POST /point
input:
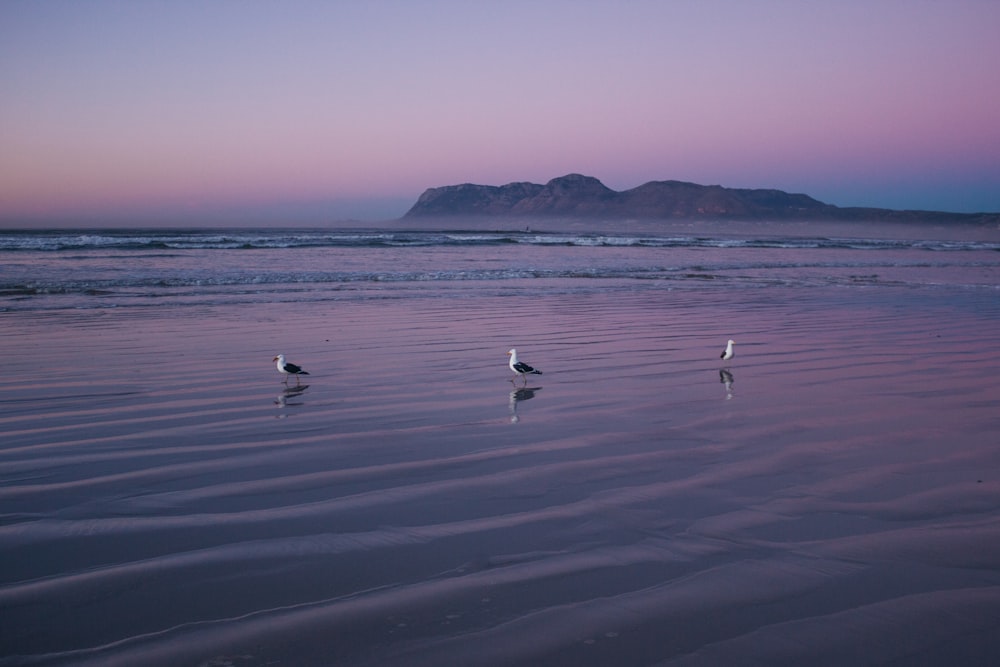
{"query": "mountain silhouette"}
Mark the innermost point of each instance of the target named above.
(579, 196)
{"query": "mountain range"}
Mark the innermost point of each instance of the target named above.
(579, 196)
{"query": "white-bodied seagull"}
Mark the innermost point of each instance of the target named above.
(727, 354)
(288, 368)
(519, 367)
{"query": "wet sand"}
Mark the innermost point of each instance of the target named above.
(830, 496)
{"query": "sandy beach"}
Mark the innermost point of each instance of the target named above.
(827, 497)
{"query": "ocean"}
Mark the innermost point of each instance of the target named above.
(96, 269)
(829, 496)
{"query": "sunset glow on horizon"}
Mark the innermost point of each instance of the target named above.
(312, 111)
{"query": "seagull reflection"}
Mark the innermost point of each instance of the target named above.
(727, 379)
(286, 397)
(518, 395)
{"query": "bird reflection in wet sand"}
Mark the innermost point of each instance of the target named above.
(518, 395)
(288, 396)
(727, 379)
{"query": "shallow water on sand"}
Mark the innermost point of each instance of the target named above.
(830, 496)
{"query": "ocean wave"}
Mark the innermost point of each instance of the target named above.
(155, 284)
(200, 240)
(101, 269)
(232, 286)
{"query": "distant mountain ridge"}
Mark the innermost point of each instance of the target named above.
(579, 196)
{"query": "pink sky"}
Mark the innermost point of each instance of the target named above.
(307, 111)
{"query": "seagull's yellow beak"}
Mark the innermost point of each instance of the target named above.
(508, 353)
(275, 359)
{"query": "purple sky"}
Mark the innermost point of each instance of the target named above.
(229, 111)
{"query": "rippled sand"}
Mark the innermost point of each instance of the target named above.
(831, 496)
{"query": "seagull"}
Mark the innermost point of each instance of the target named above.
(519, 367)
(288, 368)
(727, 354)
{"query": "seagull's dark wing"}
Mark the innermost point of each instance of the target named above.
(296, 370)
(522, 367)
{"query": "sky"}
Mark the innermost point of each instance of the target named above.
(246, 111)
